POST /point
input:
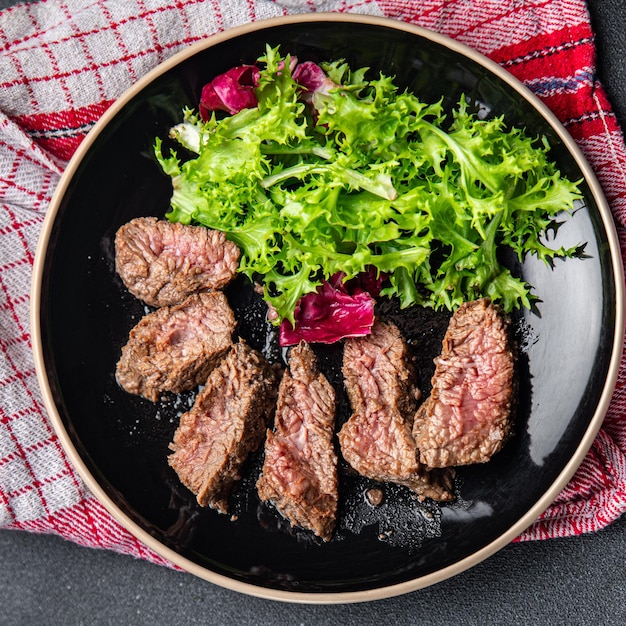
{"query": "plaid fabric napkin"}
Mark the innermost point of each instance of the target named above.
(63, 62)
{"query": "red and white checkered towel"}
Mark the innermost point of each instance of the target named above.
(63, 62)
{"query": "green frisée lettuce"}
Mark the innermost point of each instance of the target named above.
(363, 175)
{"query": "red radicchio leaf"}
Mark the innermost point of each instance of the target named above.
(231, 91)
(370, 280)
(336, 310)
(313, 79)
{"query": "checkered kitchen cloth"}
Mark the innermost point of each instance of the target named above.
(63, 62)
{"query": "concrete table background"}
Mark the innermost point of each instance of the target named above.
(579, 580)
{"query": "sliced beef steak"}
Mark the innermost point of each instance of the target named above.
(226, 423)
(300, 467)
(161, 262)
(175, 348)
(376, 440)
(467, 417)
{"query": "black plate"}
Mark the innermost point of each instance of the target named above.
(82, 315)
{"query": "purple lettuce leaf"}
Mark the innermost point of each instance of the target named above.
(313, 79)
(336, 310)
(231, 91)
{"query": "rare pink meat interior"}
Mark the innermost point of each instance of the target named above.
(376, 440)
(467, 417)
(174, 348)
(161, 262)
(300, 469)
(227, 421)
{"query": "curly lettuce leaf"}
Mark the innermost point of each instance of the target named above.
(346, 174)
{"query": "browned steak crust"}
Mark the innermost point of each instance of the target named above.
(161, 262)
(227, 422)
(300, 467)
(467, 417)
(376, 440)
(175, 348)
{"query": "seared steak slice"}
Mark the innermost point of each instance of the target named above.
(226, 423)
(161, 262)
(467, 417)
(376, 440)
(300, 468)
(175, 348)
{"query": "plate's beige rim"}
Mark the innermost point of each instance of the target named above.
(381, 592)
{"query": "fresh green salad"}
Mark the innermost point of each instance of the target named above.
(322, 171)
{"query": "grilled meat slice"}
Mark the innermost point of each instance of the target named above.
(161, 262)
(467, 417)
(300, 468)
(376, 440)
(175, 348)
(226, 423)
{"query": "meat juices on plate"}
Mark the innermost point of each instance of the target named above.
(300, 468)
(161, 262)
(175, 348)
(226, 423)
(376, 440)
(467, 417)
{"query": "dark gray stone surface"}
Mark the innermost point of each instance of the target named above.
(580, 580)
